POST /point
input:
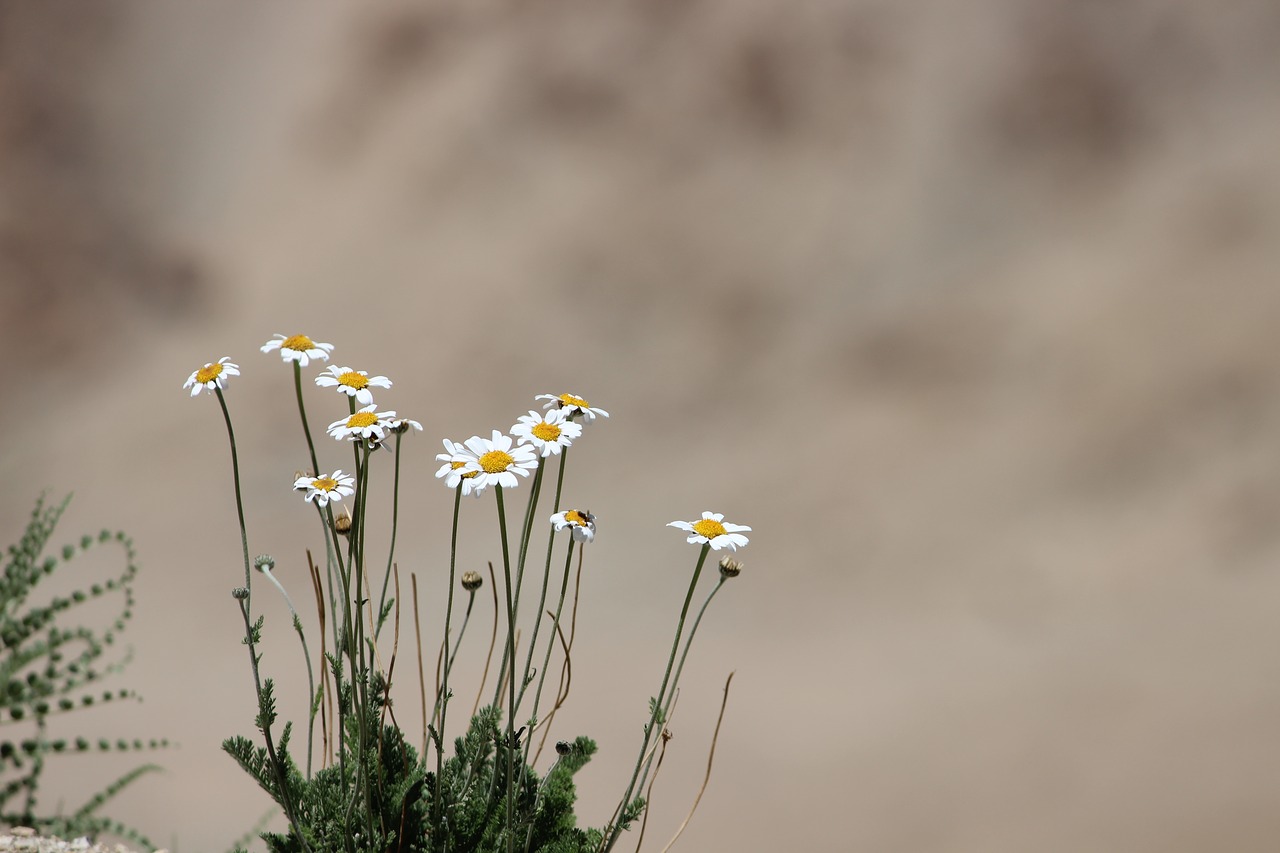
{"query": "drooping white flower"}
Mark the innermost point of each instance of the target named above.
(212, 376)
(711, 529)
(499, 462)
(298, 348)
(572, 405)
(326, 487)
(353, 383)
(581, 522)
(402, 425)
(460, 468)
(364, 424)
(547, 433)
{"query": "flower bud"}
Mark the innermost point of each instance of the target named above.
(730, 568)
(562, 748)
(471, 581)
(239, 593)
(342, 524)
(264, 562)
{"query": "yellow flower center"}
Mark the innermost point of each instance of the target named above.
(496, 461)
(354, 380)
(576, 517)
(570, 400)
(208, 373)
(301, 343)
(324, 484)
(708, 528)
(466, 475)
(546, 431)
(362, 419)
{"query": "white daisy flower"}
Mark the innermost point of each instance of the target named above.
(572, 405)
(364, 424)
(212, 376)
(581, 522)
(326, 487)
(712, 530)
(353, 383)
(460, 468)
(499, 462)
(298, 348)
(547, 433)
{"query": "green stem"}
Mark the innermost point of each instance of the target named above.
(391, 552)
(551, 641)
(286, 802)
(306, 656)
(302, 410)
(546, 578)
(511, 699)
(235, 473)
(657, 703)
(443, 699)
(671, 694)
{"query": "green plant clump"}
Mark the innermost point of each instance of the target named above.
(374, 790)
(48, 670)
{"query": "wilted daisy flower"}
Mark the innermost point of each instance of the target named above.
(212, 376)
(364, 424)
(326, 487)
(353, 383)
(547, 433)
(402, 424)
(712, 530)
(298, 348)
(572, 405)
(499, 462)
(580, 521)
(460, 468)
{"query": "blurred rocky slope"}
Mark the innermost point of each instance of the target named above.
(968, 309)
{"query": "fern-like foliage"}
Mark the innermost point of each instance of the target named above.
(47, 669)
(401, 805)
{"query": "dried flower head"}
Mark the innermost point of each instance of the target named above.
(342, 524)
(573, 405)
(729, 567)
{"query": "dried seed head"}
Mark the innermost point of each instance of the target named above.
(342, 524)
(471, 581)
(562, 748)
(730, 568)
(264, 562)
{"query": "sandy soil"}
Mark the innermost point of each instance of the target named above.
(969, 310)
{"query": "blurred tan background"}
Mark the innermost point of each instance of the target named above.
(968, 309)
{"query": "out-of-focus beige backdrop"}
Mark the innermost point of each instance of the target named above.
(968, 309)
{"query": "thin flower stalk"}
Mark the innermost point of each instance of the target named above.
(302, 412)
(546, 575)
(442, 700)
(391, 550)
(551, 641)
(511, 655)
(675, 682)
(265, 568)
(235, 474)
(658, 701)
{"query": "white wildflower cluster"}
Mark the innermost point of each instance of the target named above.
(473, 465)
